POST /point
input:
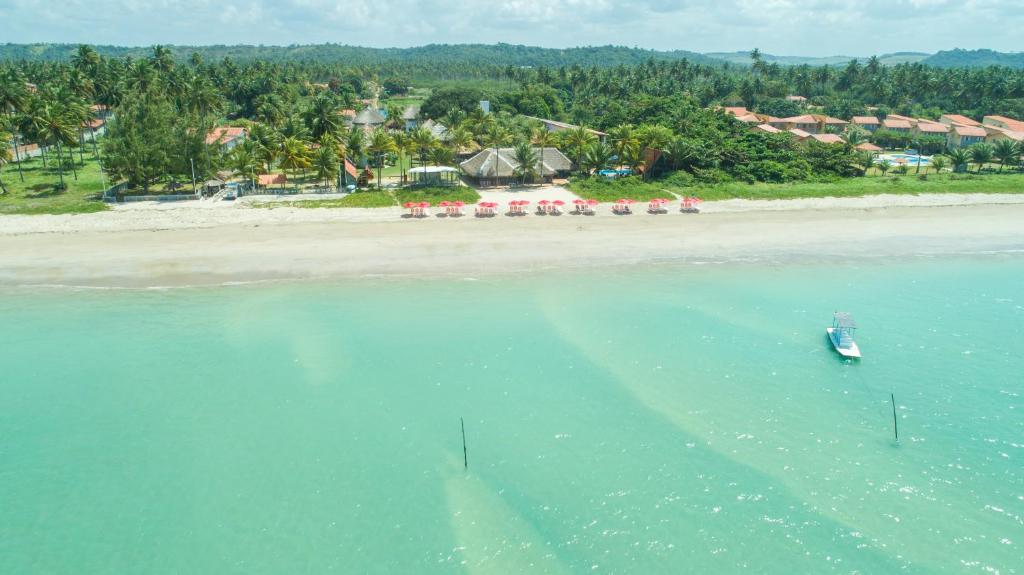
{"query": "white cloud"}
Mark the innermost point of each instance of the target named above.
(805, 27)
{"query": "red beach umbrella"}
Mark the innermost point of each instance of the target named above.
(445, 204)
(592, 202)
(524, 202)
(580, 202)
(408, 205)
(458, 204)
(424, 204)
(558, 203)
(543, 203)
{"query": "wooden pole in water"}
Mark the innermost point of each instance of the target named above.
(895, 428)
(465, 453)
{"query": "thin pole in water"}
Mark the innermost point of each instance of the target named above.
(465, 453)
(895, 427)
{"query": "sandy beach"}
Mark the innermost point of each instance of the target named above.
(208, 244)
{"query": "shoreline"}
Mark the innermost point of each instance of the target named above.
(336, 247)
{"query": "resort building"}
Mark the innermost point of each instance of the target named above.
(434, 176)
(368, 120)
(957, 120)
(227, 137)
(768, 128)
(963, 136)
(556, 126)
(495, 167)
(800, 134)
(437, 129)
(868, 123)
(897, 124)
(868, 147)
(411, 116)
(810, 123)
(828, 138)
(1003, 122)
(929, 128)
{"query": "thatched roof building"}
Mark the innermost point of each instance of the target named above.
(496, 166)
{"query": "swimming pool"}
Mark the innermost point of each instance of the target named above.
(903, 159)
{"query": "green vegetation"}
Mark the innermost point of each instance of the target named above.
(850, 187)
(435, 195)
(40, 192)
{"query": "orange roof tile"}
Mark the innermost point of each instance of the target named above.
(868, 147)
(865, 120)
(224, 134)
(827, 138)
(970, 131)
(896, 123)
(768, 128)
(802, 119)
(800, 133)
(272, 179)
(932, 128)
(1011, 124)
(963, 120)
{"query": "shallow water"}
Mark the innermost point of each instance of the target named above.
(660, 420)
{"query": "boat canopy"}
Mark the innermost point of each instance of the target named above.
(844, 320)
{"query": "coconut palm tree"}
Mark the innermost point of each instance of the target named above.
(441, 156)
(57, 128)
(959, 158)
(355, 145)
(244, 160)
(884, 166)
(294, 155)
(579, 139)
(855, 136)
(543, 139)
(423, 141)
(12, 99)
(381, 143)
(325, 161)
(458, 139)
(5, 158)
(939, 163)
(981, 154)
(597, 157)
(526, 159)
(323, 117)
(632, 156)
(1007, 152)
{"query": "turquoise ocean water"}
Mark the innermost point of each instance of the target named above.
(665, 419)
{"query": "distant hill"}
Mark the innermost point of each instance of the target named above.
(975, 58)
(494, 54)
(886, 59)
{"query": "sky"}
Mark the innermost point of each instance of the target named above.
(780, 27)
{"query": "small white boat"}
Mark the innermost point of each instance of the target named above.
(841, 334)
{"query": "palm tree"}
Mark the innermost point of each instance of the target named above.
(632, 156)
(1006, 152)
(458, 139)
(855, 136)
(405, 147)
(322, 117)
(543, 139)
(959, 158)
(5, 158)
(325, 161)
(12, 99)
(622, 137)
(423, 140)
(579, 139)
(294, 154)
(244, 160)
(381, 143)
(355, 145)
(597, 157)
(57, 129)
(981, 154)
(939, 163)
(526, 157)
(884, 166)
(441, 156)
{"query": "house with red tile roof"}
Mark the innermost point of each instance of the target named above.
(800, 134)
(768, 128)
(964, 136)
(957, 119)
(929, 128)
(996, 133)
(804, 122)
(868, 123)
(868, 147)
(227, 137)
(897, 124)
(828, 138)
(1003, 122)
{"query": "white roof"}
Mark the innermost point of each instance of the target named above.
(432, 170)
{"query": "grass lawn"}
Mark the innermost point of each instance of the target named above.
(38, 194)
(438, 194)
(853, 187)
(384, 198)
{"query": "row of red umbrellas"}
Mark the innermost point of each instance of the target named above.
(587, 202)
(578, 202)
(416, 205)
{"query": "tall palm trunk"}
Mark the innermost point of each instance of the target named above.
(17, 153)
(60, 165)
